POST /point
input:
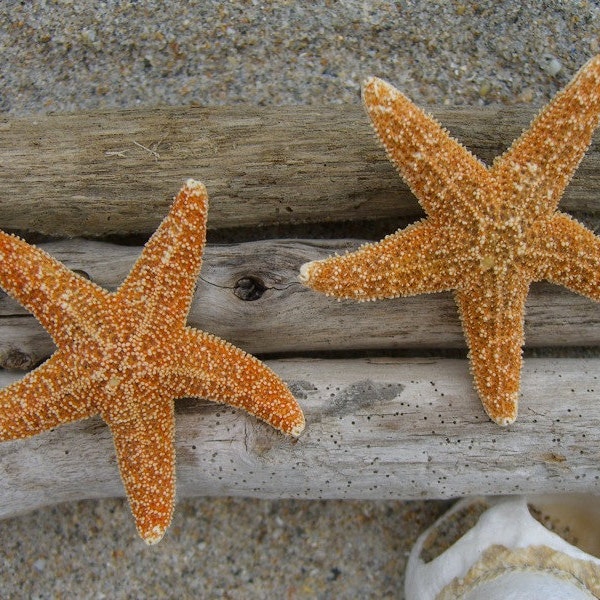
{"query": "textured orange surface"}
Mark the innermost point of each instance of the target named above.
(127, 355)
(489, 232)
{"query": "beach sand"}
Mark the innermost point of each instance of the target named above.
(75, 55)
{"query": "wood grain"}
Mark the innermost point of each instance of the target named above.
(288, 318)
(116, 171)
(377, 428)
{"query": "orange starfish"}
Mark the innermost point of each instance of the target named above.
(127, 355)
(490, 232)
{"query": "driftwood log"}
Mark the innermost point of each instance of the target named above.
(380, 423)
(116, 171)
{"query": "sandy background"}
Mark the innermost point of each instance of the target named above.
(72, 55)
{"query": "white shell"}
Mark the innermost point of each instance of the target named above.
(527, 586)
(508, 554)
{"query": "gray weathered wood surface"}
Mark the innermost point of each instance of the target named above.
(116, 171)
(289, 318)
(376, 427)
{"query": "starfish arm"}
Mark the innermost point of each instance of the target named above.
(209, 367)
(565, 252)
(420, 259)
(64, 303)
(540, 163)
(145, 449)
(492, 316)
(442, 173)
(52, 394)
(162, 281)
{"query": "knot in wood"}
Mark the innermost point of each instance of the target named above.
(15, 359)
(249, 288)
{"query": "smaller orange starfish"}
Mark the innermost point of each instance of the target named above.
(490, 232)
(127, 355)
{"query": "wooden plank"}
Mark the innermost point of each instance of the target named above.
(286, 316)
(377, 428)
(111, 171)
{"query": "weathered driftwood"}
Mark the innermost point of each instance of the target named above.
(376, 428)
(286, 317)
(387, 428)
(116, 171)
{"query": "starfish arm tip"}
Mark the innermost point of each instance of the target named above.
(504, 421)
(369, 82)
(506, 413)
(288, 418)
(298, 428)
(193, 184)
(153, 536)
(502, 409)
(371, 89)
(305, 271)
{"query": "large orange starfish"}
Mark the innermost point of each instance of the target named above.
(490, 232)
(127, 355)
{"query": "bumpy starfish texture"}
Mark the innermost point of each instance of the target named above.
(489, 233)
(127, 355)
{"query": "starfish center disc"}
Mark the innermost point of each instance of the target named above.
(499, 246)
